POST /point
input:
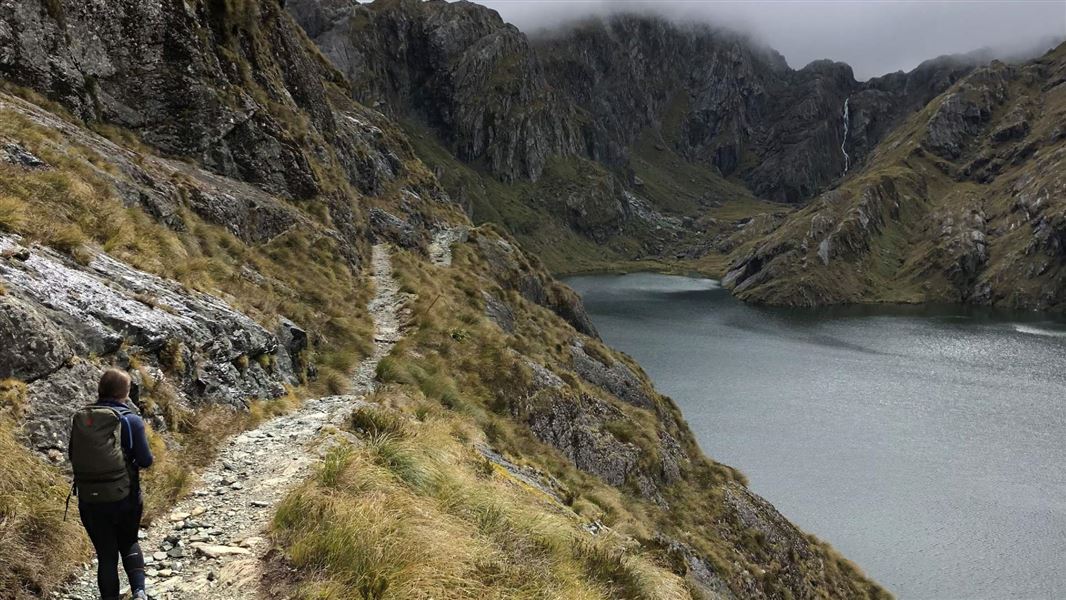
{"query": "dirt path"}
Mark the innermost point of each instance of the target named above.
(212, 544)
(440, 248)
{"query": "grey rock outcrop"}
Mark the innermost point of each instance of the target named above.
(66, 320)
(615, 378)
(513, 270)
(498, 312)
(386, 226)
(31, 346)
(575, 426)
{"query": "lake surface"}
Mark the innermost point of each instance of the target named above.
(926, 444)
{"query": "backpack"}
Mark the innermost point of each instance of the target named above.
(101, 470)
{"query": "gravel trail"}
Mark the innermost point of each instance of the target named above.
(212, 544)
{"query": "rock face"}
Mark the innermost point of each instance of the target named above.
(575, 427)
(237, 89)
(719, 99)
(906, 229)
(514, 270)
(615, 377)
(57, 313)
(458, 66)
(122, 70)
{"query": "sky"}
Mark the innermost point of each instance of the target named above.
(873, 36)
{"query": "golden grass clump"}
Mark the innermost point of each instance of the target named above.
(413, 513)
(36, 544)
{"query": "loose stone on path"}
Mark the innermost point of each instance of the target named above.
(211, 543)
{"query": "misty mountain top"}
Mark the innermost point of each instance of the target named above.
(873, 37)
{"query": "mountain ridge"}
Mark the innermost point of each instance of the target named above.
(673, 134)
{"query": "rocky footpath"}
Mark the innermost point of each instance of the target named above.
(213, 542)
(58, 315)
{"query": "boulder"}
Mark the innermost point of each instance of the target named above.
(31, 346)
(386, 226)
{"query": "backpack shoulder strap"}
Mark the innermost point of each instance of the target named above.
(123, 413)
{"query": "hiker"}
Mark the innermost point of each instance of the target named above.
(108, 448)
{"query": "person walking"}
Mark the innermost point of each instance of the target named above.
(108, 448)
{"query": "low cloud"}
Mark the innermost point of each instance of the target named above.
(873, 36)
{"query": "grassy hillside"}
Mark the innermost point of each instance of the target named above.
(460, 389)
(960, 204)
(576, 219)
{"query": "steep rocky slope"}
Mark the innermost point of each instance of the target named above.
(628, 138)
(963, 203)
(717, 98)
(194, 201)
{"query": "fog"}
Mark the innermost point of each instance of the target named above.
(873, 36)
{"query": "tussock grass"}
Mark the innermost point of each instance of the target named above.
(36, 545)
(193, 440)
(412, 513)
(451, 340)
(377, 422)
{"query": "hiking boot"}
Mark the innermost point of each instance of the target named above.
(139, 595)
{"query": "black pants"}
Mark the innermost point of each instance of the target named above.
(113, 527)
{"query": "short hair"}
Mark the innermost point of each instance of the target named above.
(114, 385)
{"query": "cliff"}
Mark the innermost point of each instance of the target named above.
(962, 203)
(715, 97)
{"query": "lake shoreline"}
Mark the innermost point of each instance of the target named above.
(923, 442)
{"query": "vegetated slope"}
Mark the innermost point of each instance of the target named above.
(603, 492)
(184, 271)
(963, 203)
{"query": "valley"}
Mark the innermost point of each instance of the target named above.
(333, 232)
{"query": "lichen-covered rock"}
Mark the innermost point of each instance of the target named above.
(386, 226)
(699, 573)
(106, 312)
(31, 346)
(615, 378)
(575, 426)
(17, 155)
(498, 312)
(53, 401)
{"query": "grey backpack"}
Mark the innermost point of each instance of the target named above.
(101, 471)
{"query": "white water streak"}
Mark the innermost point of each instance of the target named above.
(847, 159)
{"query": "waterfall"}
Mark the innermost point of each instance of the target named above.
(847, 159)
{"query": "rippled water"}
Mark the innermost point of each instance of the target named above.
(927, 444)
